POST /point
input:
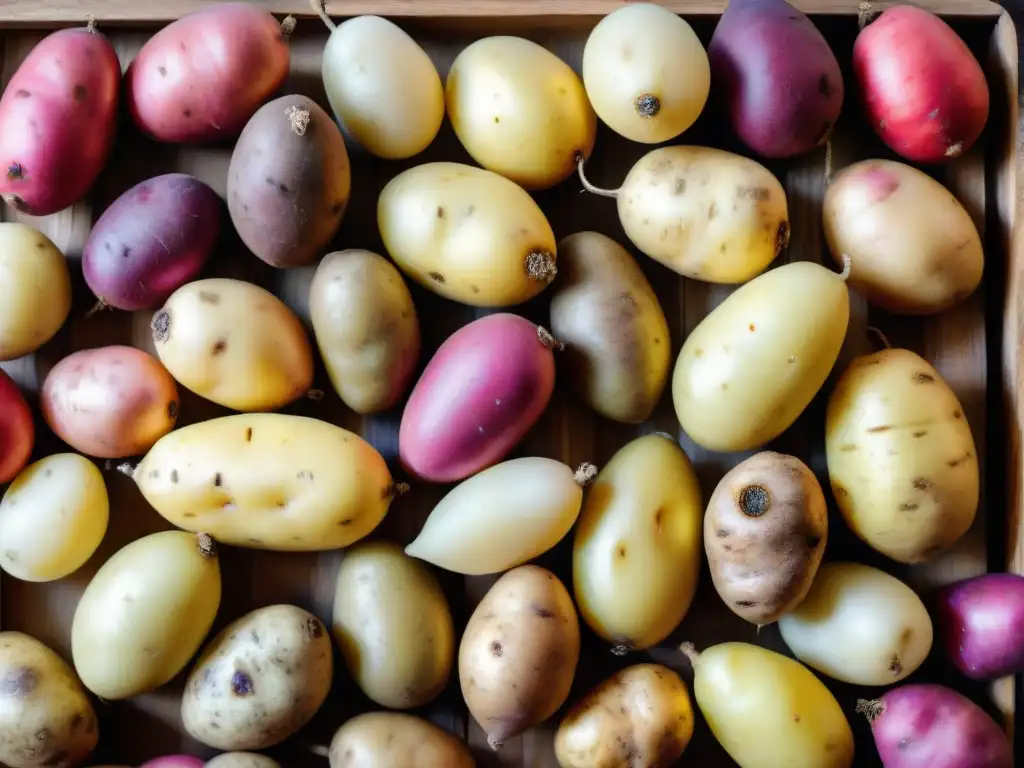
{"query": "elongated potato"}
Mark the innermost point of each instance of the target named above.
(268, 481)
(392, 739)
(467, 234)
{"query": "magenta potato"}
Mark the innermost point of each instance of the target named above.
(153, 239)
(981, 623)
(485, 387)
(17, 432)
(777, 75)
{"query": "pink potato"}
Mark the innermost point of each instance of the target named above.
(58, 116)
(203, 76)
(479, 395)
(923, 90)
(17, 432)
(153, 239)
(174, 761)
(110, 402)
(981, 624)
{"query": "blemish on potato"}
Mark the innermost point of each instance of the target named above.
(920, 433)
(174, 476)
(757, 194)
(680, 187)
(722, 533)
(496, 649)
(241, 684)
(79, 92)
(161, 326)
(752, 327)
(882, 428)
(218, 480)
(622, 551)
(209, 297)
(923, 378)
(255, 541)
(908, 507)
(172, 410)
(957, 462)
(921, 483)
(314, 628)
(20, 682)
(21, 93)
(746, 603)
(957, 415)
(437, 277)
(796, 718)
(186, 112)
(248, 435)
(541, 612)
(346, 521)
(824, 86)
(754, 501)
(847, 447)
(781, 237)
(218, 347)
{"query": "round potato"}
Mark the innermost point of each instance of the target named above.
(241, 760)
(391, 739)
(17, 429)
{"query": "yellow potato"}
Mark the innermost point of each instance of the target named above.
(35, 290)
(705, 213)
(393, 625)
(52, 518)
(145, 613)
(467, 234)
(519, 110)
(750, 368)
(234, 343)
(901, 457)
(396, 740)
(268, 481)
(637, 551)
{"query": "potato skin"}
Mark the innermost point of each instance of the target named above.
(617, 346)
(241, 760)
(981, 624)
(391, 739)
(366, 328)
(260, 680)
(289, 181)
(17, 430)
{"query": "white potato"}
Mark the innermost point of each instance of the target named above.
(241, 760)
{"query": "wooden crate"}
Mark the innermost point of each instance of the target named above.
(974, 346)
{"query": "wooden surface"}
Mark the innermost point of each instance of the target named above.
(967, 345)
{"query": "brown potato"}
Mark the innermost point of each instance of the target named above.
(396, 740)
(765, 531)
(288, 181)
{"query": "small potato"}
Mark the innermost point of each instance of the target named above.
(241, 760)
(467, 234)
(765, 532)
(617, 347)
(17, 430)
(260, 680)
(35, 290)
(52, 518)
(47, 720)
(393, 625)
(110, 402)
(393, 739)
(981, 622)
(234, 343)
(640, 717)
(366, 328)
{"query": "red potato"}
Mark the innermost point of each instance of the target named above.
(981, 623)
(17, 432)
(153, 239)
(203, 76)
(58, 116)
(478, 396)
(923, 90)
(174, 761)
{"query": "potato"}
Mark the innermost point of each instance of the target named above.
(519, 110)
(288, 181)
(930, 256)
(260, 680)
(145, 613)
(17, 430)
(391, 739)
(174, 761)
(234, 343)
(617, 345)
(393, 625)
(704, 213)
(268, 481)
(636, 554)
(788, 325)
(241, 760)
(901, 457)
(519, 652)
(981, 623)
(467, 234)
(58, 116)
(765, 532)
(52, 518)
(640, 716)
(366, 328)
(35, 290)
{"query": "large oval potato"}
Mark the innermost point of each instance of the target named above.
(617, 345)
(268, 481)
(636, 556)
(259, 680)
(234, 343)
(392, 739)
(467, 234)
(901, 456)
(145, 613)
(366, 328)
(393, 625)
(47, 720)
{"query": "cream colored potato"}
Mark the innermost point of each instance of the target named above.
(260, 680)
(241, 760)
(234, 343)
(393, 625)
(268, 481)
(901, 457)
(646, 73)
(382, 87)
(637, 550)
(393, 739)
(52, 518)
(35, 290)
(145, 613)
(751, 367)
(914, 248)
(860, 625)
(47, 720)
(467, 234)
(366, 328)
(519, 110)
(502, 517)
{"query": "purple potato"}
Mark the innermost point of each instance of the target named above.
(981, 623)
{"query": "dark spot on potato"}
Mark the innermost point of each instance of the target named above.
(781, 237)
(126, 251)
(337, 208)
(188, 514)
(712, 210)
(722, 247)
(903, 745)
(497, 119)
(894, 665)
(209, 297)
(622, 551)
(908, 507)
(746, 603)
(923, 378)
(48, 472)
(174, 476)
(255, 541)
(882, 428)
(305, 474)
(437, 277)
(473, 288)
(241, 684)
(283, 188)
(496, 649)
(957, 415)
(796, 718)
(218, 347)
(15, 172)
(957, 462)
(752, 327)
(722, 533)
(248, 435)
(314, 627)
(754, 501)
(21, 93)
(648, 105)
(657, 520)
(161, 326)
(186, 113)
(20, 681)
(172, 410)
(847, 447)
(920, 433)
(812, 541)
(680, 188)
(79, 92)
(758, 194)
(347, 521)
(162, 70)
(76, 721)
(824, 86)
(218, 480)
(921, 483)
(440, 212)
(541, 612)
(155, 474)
